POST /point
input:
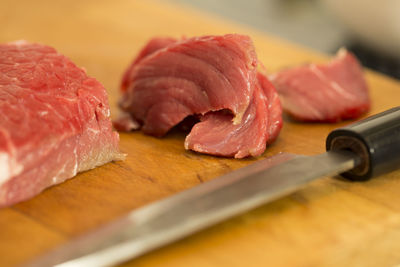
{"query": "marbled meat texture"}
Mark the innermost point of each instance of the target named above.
(211, 77)
(54, 121)
(326, 92)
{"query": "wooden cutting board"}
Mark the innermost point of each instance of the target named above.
(328, 223)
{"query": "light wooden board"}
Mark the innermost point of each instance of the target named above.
(328, 223)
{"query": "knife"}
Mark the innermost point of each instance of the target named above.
(358, 152)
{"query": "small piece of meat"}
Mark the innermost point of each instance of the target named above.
(211, 78)
(191, 76)
(54, 122)
(324, 93)
(261, 124)
(125, 123)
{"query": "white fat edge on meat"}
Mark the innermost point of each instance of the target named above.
(9, 168)
(334, 85)
(76, 162)
(61, 174)
(237, 119)
(43, 113)
(8, 165)
(5, 173)
(341, 53)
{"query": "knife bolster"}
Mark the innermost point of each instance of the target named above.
(350, 143)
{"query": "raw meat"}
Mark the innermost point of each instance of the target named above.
(125, 122)
(152, 46)
(324, 93)
(192, 76)
(54, 122)
(213, 78)
(261, 123)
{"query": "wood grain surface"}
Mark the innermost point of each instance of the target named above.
(328, 223)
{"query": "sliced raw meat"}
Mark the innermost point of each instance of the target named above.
(261, 124)
(324, 93)
(191, 76)
(152, 46)
(213, 78)
(54, 122)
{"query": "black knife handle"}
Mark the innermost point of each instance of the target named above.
(376, 141)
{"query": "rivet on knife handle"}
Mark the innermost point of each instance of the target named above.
(376, 141)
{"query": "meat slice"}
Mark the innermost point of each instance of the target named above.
(191, 76)
(152, 46)
(213, 78)
(324, 93)
(125, 121)
(261, 124)
(54, 121)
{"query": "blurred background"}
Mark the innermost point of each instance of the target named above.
(369, 28)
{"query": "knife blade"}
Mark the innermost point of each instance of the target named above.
(358, 152)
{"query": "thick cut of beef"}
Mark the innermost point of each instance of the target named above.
(261, 124)
(54, 121)
(211, 77)
(326, 92)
